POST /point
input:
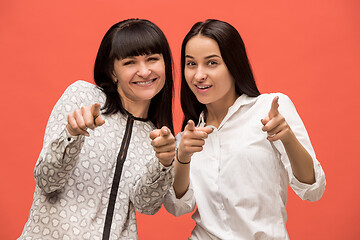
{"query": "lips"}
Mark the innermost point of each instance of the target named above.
(203, 87)
(143, 83)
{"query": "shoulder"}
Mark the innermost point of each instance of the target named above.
(81, 86)
(267, 98)
(270, 96)
(286, 106)
(86, 92)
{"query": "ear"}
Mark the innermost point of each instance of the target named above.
(114, 77)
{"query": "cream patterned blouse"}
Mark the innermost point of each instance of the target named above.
(75, 175)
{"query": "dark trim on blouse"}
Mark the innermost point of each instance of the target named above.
(117, 176)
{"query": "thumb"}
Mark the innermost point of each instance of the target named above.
(95, 111)
(164, 131)
(264, 121)
(99, 121)
(208, 130)
(154, 134)
(190, 126)
(274, 108)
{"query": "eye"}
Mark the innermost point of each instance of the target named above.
(128, 62)
(153, 59)
(190, 63)
(212, 63)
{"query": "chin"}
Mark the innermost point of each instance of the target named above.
(203, 101)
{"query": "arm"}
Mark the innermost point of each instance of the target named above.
(278, 129)
(150, 190)
(192, 141)
(61, 149)
(180, 198)
(306, 175)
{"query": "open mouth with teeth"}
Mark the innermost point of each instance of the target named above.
(146, 82)
(203, 87)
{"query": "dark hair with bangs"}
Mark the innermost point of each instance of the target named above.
(128, 38)
(233, 52)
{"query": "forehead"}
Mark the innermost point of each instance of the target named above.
(201, 46)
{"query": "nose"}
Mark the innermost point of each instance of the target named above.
(200, 75)
(143, 70)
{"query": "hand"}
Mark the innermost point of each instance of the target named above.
(192, 140)
(275, 124)
(163, 143)
(83, 118)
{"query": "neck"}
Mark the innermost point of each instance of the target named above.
(139, 110)
(216, 112)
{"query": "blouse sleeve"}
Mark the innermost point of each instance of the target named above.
(60, 149)
(149, 191)
(310, 192)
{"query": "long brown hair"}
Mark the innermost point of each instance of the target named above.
(233, 52)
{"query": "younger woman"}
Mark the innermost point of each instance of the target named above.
(97, 163)
(246, 149)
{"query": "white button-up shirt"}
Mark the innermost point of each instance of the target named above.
(239, 181)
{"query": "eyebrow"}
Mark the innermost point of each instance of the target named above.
(207, 57)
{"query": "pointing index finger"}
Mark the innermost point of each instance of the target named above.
(274, 110)
(190, 126)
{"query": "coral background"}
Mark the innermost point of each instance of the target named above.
(306, 49)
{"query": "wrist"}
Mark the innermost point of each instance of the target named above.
(289, 139)
(167, 163)
(69, 129)
(178, 160)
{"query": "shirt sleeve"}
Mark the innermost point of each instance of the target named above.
(60, 150)
(310, 192)
(180, 206)
(150, 190)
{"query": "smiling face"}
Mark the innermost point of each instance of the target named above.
(139, 79)
(206, 73)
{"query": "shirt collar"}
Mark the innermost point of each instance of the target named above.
(240, 101)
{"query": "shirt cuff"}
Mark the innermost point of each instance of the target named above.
(68, 137)
(157, 171)
(165, 169)
(183, 205)
(310, 192)
(186, 199)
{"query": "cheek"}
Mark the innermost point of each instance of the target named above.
(229, 81)
(162, 83)
(125, 77)
(188, 76)
(162, 74)
(160, 67)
